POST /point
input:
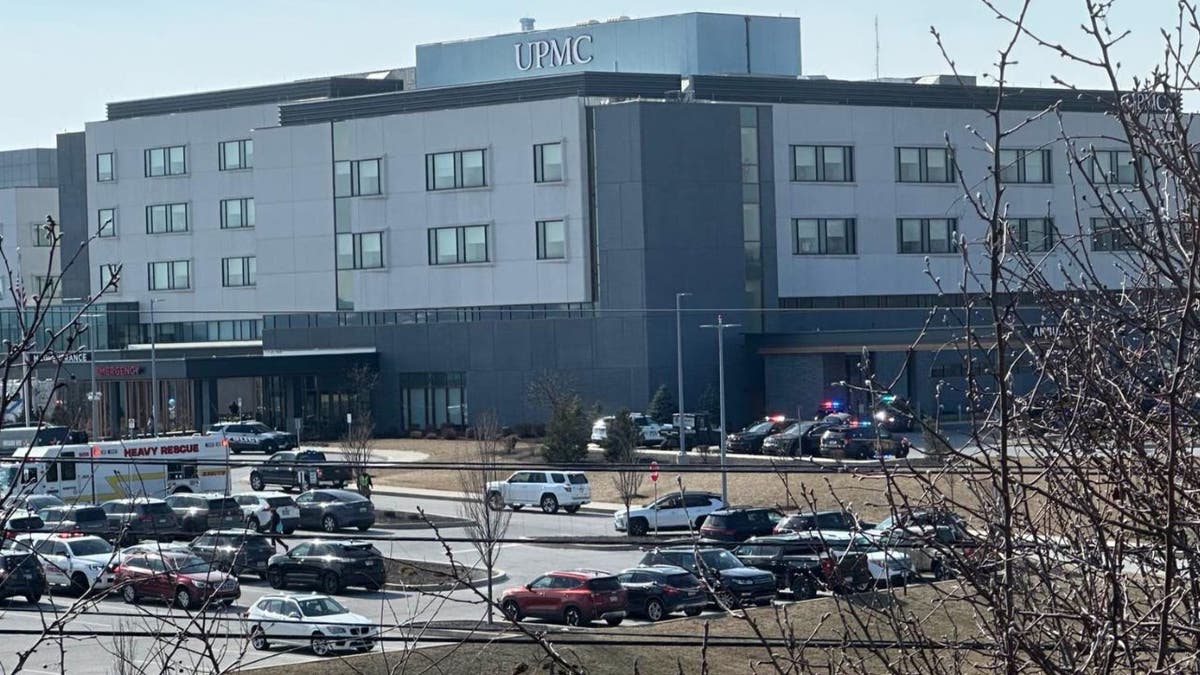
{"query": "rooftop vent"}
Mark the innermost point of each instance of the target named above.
(526, 24)
(965, 80)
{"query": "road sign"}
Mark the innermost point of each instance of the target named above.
(132, 424)
(654, 471)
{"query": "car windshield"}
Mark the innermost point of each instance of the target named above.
(757, 550)
(90, 547)
(8, 474)
(258, 428)
(720, 560)
(792, 430)
(760, 428)
(887, 523)
(188, 564)
(321, 607)
(157, 508)
(311, 456)
(860, 544)
(280, 501)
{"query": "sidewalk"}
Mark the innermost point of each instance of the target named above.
(599, 508)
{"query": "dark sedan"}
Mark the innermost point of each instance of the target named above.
(332, 510)
(858, 442)
(655, 591)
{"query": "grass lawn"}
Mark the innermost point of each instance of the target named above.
(866, 493)
(939, 616)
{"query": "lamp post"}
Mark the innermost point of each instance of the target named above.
(153, 371)
(679, 371)
(720, 325)
(94, 397)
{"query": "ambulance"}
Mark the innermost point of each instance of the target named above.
(149, 467)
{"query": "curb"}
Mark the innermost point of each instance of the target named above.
(410, 524)
(451, 497)
(498, 577)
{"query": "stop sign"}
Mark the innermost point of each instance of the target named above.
(654, 471)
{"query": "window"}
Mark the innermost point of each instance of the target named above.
(356, 178)
(1110, 234)
(823, 236)
(42, 237)
(1113, 166)
(362, 251)
(109, 274)
(551, 240)
(239, 271)
(461, 169)
(457, 245)
(1035, 235)
(171, 161)
(106, 223)
(163, 218)
(927, 235)
(547, 163)
(924, 165)
(173, 275)
(823, 163)
(236, 154)
(105, 169)
(45, 287)
(237, 213)
(1025, 166)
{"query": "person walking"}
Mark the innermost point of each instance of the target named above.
(364, 484)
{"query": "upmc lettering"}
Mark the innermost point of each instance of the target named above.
(162, 450)
(538, 54)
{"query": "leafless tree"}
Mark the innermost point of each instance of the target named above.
(620, 447)
(481, 507)
(356, 443)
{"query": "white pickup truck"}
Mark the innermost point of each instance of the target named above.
(548, 489)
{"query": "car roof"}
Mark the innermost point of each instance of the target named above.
(660, 569)
(234, 532)
(338, 492)
(741, 509)
(581, 574)
(264, 494)
(61, 536)
(136, 500)
(293, 596)
(822, 512)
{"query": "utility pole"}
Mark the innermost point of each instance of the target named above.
(682, 459)
(720, 325)
(153, 371)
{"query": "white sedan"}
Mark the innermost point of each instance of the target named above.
(309, 620)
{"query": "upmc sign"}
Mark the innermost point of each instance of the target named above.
(539, 54)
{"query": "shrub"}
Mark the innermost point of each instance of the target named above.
(449, 433)
(662, 406)
(416, 434)
(469, 433)
(621, 439)
(567, 433)
(431, 436)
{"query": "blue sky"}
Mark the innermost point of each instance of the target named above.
(65, 59)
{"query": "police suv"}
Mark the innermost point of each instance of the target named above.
(251, 436)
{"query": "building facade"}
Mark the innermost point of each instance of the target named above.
(500, 220)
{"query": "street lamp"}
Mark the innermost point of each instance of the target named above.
(153, 371)
(720, 325)
(94, 397)
(679, 371)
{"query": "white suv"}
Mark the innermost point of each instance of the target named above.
(649, 431)
(548, 489)
(74, 562)
(269, 511)
(671, 512)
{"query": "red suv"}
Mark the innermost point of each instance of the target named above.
(575, 597)
(187, 580)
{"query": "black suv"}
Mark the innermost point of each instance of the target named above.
(200, 512)
(236, 551)
(329, 566)
(750, 440)
(331, 510)
(803, 564)
(656, 591)
(734, 583)
(801, 438)
(254, 436)
(739, 523)
(860, 442)
(135, 518)
(23, 576)
(832, 519)
(83, 518)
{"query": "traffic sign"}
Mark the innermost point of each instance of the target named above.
(654, 471)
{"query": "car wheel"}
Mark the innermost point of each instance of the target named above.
(616, 621)
(321, 646)
(549, 504)
(363, 527)
(330, 583)
(802, 588)
(573, 617)
(128, 593)
(329, 523)
(256, 481)
(574, 508)
(258, 639)
(253, 524)
(495, 501)
(33, 598)
(511, 609)
(638, 527)
(694, 611)
(726, 600)
(183, 598)
(938, 568)
(79, 584)
(276, 579)
(654, 609)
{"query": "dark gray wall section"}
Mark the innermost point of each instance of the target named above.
(31, 167)
(72, 214)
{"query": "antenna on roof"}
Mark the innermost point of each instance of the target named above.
(877, 46)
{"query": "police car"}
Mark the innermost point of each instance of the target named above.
(252, 436)
(77, 562)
